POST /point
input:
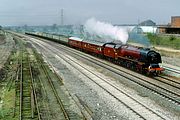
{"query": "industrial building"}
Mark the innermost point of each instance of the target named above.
(172, 28)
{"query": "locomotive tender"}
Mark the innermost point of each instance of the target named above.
(140, 59)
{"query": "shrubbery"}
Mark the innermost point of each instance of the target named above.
(154, 38)
(165, 41)
(171, 38)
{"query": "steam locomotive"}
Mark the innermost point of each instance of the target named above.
(139, 59)
(136, 58)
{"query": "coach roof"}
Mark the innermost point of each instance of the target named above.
(94, 42)
(76, 38)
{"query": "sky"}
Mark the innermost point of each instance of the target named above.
(48, 12)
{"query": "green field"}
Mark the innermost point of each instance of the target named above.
(170, 41)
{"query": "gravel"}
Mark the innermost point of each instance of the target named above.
(171, 61)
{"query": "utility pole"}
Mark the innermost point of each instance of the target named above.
(62, 15)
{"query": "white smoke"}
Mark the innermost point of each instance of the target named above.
(106, 30)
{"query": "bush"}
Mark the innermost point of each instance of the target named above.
(154, 39)
(172, 38)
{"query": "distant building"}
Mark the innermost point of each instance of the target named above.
(172, 28)
(175, 21)
(147, 23)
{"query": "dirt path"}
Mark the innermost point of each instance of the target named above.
(167, 49)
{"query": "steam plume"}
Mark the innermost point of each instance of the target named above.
(106, 30)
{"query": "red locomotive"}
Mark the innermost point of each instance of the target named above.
(139, 59)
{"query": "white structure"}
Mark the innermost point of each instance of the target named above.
(145, 29)
(149, 29)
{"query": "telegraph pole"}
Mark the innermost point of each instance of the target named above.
(62, 15)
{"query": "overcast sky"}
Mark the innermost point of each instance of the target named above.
(48, 12)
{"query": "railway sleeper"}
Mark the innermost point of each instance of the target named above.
(27, 118)
(26, 105)
(26, 94)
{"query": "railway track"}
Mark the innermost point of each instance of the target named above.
(25, 89)
(170, 91)
(168, 81)
(174, 70)
(126, 99)
(25, 105)
(43, 108)
(30, 86)
(26, 77)
(67, 113)
(175, 80)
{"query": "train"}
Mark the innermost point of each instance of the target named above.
(139, 59)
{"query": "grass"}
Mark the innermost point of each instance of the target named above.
(164, 41)
(169, 53)
(8, 104)
(6, 112)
